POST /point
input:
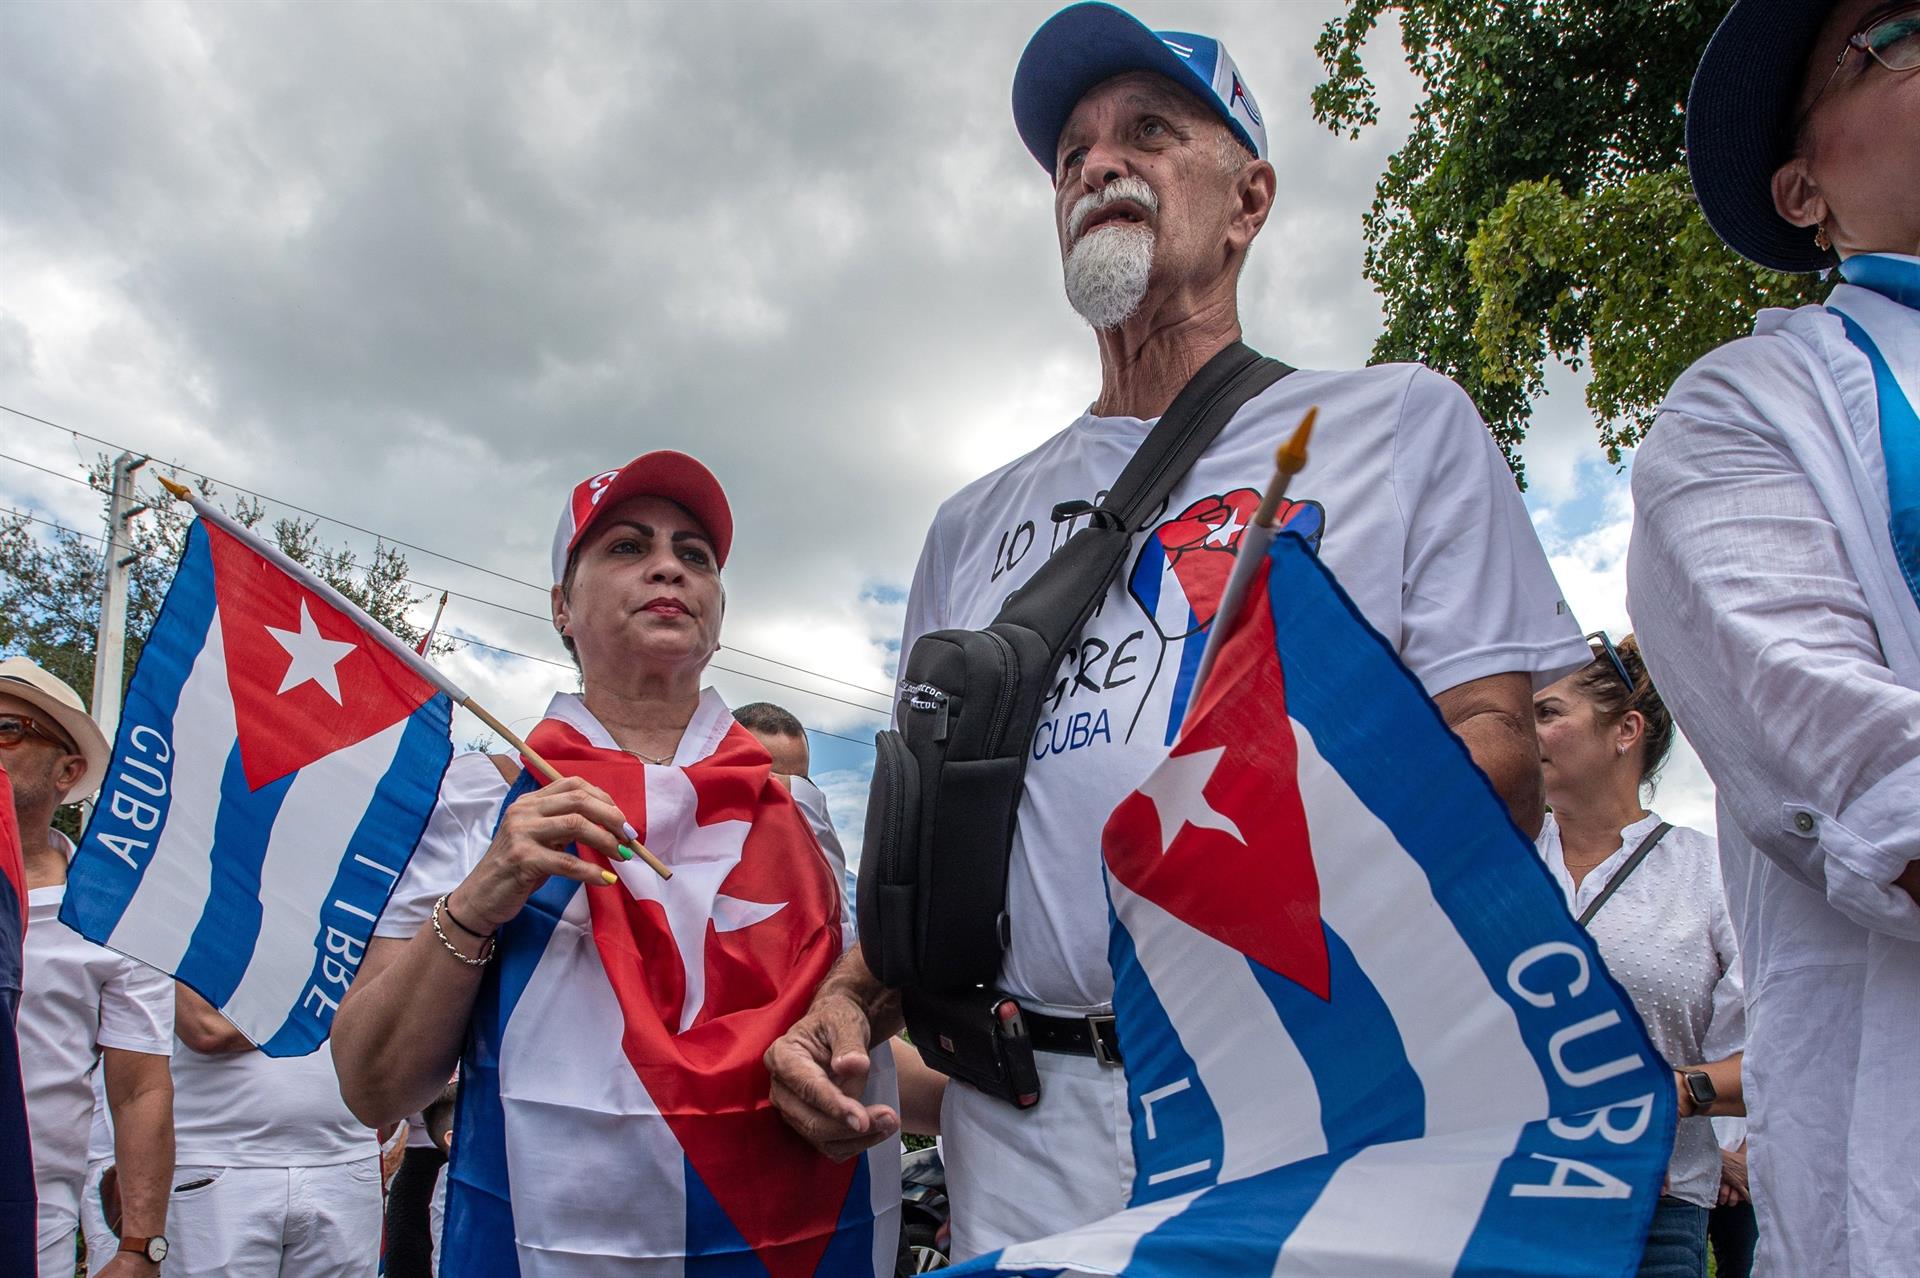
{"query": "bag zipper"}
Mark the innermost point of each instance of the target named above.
(1010, 678)
(927, 699)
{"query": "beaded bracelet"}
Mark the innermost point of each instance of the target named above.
(486, 955)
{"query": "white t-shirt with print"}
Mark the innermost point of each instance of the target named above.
(76, 998)
(1405, 497)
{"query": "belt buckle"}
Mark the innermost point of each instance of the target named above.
(1100, 1029)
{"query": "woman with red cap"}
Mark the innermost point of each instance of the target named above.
(1774, 580)
(608, 1023)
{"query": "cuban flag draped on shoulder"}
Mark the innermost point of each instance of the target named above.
(1362, 1034)
(276, 762)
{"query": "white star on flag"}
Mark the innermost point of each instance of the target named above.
(315, 657)
(1223, 535)
(1177, 789)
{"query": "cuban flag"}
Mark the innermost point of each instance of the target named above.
(1362, 1034)
(18, 1209)
(1182, 570)
(276, 762)
(631, 1021)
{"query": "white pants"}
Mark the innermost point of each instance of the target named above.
(276, 1222)
(1014, 1175)
(61, 1257)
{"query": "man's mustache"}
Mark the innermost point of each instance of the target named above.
(1132, 189)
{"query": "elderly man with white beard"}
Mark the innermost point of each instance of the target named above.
(1157, 155)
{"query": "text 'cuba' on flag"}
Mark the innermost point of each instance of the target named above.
(276, 762)
(1362, 1034)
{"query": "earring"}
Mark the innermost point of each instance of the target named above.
(1821, 240)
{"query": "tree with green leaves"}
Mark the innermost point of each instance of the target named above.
(1540, 207)
(51, 580)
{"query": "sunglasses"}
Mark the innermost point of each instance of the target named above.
(1893, 41)
(1599, 638)
(15, 728)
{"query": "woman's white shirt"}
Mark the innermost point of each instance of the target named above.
(1666, 937)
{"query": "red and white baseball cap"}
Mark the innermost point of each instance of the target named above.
(675, 476)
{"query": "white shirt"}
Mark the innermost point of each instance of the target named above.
(1765, 594)
(1422, 524)
(1666, 937)
(77, 998)
(247, 1109)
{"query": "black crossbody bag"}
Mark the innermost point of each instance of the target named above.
(947, 782)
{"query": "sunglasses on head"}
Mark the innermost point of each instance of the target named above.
(15, 728)
(1599, 639)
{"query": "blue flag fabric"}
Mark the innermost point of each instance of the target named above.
(1879, 305)
(1363, 1035)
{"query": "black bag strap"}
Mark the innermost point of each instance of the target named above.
(1084, 567)
(1633, 863)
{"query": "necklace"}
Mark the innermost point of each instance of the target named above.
(647, 758)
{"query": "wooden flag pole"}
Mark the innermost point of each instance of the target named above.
(417, 661)
(1289, 460)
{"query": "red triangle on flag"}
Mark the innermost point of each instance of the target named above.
(306, 678)
(1217, 834)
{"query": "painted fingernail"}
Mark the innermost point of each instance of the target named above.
(609, 877)
(626, 853)
(633, 835)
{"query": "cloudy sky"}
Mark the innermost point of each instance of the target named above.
(422, 267)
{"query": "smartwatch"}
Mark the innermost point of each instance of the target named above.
(154, 1248)
(1700, 1087)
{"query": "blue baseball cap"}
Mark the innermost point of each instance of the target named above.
(1086, 44)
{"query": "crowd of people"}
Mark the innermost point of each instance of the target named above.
(1774, 581)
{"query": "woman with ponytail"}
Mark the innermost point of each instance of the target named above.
(1650, 894)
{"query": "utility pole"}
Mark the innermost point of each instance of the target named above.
(110, 648)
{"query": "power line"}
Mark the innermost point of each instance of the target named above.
(514, 652)
(379, 536)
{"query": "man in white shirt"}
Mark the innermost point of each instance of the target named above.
(82, 1006)
(1782, 620)
(1157, 155)
(276, 1177)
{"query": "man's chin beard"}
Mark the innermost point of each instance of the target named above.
(1106, 274)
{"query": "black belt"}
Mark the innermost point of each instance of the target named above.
(1074, 1035)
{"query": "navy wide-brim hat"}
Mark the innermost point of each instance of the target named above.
(1739, 113)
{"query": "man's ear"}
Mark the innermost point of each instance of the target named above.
(1253, 190)
(67, 775)
(557, 602)
(1796, 197)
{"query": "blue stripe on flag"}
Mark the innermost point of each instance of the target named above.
(478, 1239)
(377, 854)
(1187, 1129)
(715, 1249)
(1236, 1228)
(1192, 648)
(99, 887)
(1382, 1102)
(229, 926)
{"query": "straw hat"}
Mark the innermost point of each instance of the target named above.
(21, 678)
